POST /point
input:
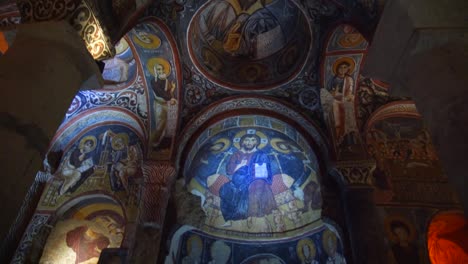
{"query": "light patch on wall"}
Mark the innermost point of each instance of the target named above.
(78, 240)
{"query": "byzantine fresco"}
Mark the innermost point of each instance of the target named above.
(322, 245)
(403, 151)
(159, 58)
(341, 66)
(122, 67)
(249, 44)
(402, 236)
(406, 233)
(254, 174)
(144, 78)
(346, 37)
(106, 158)
(80, 236)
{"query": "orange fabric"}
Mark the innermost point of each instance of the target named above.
(3, 43)
(448, 239)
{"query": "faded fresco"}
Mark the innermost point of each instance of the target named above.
(402, 235)
(341, 66)
(81, 237)
(320, 246)
(403, 150)
(249, 44)
(158, 54)
(255, 179)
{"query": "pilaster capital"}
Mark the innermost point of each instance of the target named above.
(356, 173)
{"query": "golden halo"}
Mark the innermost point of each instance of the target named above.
(263, 138)
(310, 244)
(156, 60)
(124, 138)
(194, 239)
(274, 143)
(350, 61)
(403, 220)
(155, 42)
(121, 46)
(92, 138)
(327, 234)
(225, 141)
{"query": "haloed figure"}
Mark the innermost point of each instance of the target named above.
(77, 165)
(87, 244)
(341, 87)
(164, 91)
(403, 251)
(249, 193)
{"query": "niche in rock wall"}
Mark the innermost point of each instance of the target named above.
(84, 230)
(255, 175)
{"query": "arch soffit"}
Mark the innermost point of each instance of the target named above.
(394, 109)
(102, 116)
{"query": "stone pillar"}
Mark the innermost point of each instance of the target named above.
(362, 221)
(39, 76)
(158, 178)
(24, 215)
(420, 48)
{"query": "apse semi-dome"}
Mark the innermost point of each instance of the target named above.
(254, 174)
(241, 44)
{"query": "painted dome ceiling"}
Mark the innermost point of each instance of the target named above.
(249, 45)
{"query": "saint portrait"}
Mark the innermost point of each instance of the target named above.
(220, 252)
(330, 245)
(164, 100)
(306, 251)
(341, 92)
(402, 235)
(194, 248)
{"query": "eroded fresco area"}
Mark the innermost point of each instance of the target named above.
(254, 174)
(323, 245)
